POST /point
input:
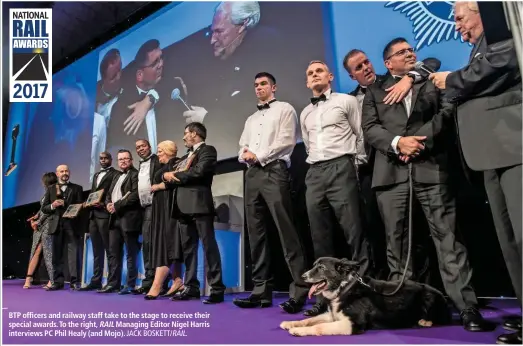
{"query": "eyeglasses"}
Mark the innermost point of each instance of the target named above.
(402, 52)
(155, 63)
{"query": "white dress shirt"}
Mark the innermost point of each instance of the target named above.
(270, 133)
(407, 102)
(101, 175)
(332, 128)
(117, 191)
(144, 183)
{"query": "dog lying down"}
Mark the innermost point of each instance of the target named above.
(356, 305)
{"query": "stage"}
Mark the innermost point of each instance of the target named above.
(225, 324)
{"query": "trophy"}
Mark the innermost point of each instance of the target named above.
(12, 164)
(72, 211)
(94, 198)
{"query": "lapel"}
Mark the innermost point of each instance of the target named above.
(415, 92)
(106, 176)
(387, 84)
(152, 166)
(476, 48)
(67, 192)
(193, 156)
(125, 181)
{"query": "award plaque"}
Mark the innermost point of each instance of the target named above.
(183, 165)
(94, 198)
(72, 211)
(12, 164)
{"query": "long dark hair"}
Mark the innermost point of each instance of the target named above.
(49, 179)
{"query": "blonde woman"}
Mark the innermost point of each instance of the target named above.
(165, 235)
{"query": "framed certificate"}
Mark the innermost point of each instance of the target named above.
(94, 198)
(72, 211)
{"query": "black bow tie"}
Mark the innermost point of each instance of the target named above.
(363, 89)
(266, 105)
(315, 100)
(397, 78)
(189, 150)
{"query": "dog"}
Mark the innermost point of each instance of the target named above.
(357, 304)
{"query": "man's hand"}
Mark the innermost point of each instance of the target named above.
(169, 176)
(197, 114)
(135, 120)
(439, 79)
(58, 203)
(411, 145)
(404, 158)
(398, 91)
(249, 157)
(110, 208)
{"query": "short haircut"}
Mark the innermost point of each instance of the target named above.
(388, 47)
(199, 128)
(265, 74)
(121, 151)
(141, 56)
(168, 147)
(241, 11)
(319, 62)
(109, 58)
(49, 179)
(349, 55)
(106, 153)
(143, 140)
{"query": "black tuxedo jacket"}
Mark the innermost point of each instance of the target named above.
(430, 116)
(71, 195)
(488, 92)
(193, 194)
(128, 210)
(105, 184)
(155, 165)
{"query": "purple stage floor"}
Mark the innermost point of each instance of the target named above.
(226, 323)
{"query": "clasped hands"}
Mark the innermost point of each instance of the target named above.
(249, 157)
(410, 147)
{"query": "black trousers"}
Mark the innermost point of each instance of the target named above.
(146, 247)
(114, 255)
(201, 227)
(65, 234)
(504, 189)
(267, 191)
(99, 234)
(332, 186)
(439, 207)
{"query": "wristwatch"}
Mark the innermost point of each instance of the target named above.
(412, 77)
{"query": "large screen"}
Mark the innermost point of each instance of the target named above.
(196, 61)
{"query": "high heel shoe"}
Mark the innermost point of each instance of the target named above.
(171, 294)
(28, 285)
(150, 297)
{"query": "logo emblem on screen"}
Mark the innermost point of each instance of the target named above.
(30, 48)
(433, 21)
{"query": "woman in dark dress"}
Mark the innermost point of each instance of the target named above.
(165, 235)
(41, 238)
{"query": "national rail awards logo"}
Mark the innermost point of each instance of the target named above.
(30, 75)
(432, 21)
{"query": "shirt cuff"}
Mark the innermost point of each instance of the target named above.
(154, 94)
(394, 144)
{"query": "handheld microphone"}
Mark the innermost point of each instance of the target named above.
(421, 66)
(175, 95)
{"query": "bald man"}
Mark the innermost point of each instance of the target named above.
(58, 198)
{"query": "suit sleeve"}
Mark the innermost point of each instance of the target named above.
(46, 205)
(488, 74)
(206, 164)
(133, 198)
(377, 135)
(108, 193)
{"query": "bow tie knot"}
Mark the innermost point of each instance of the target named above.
(266, 105)
(315, 100)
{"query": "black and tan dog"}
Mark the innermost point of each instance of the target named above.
(359, 303)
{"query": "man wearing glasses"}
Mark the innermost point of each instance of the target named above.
(136, 104)
(416, 134)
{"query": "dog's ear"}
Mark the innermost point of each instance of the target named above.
(345, 266)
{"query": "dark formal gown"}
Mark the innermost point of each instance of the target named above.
(165, 234)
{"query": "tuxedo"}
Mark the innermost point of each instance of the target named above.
(193, 206)
(489, 121)
(124, 223)
(62, 229)
(421, 113)
(99, 224)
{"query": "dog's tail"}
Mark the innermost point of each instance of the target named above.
(440, 311)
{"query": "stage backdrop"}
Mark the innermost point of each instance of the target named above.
(196, 68)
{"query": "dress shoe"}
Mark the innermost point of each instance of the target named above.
(252, 302)
(474, 322)
(509, 339)
(125, 290)
(108, 289)
(89, 288)
(292, 306)
(214, 298)
(186, 294)
(55, 287)
(142, 290)
(317, 309)
(74, 287)
(513, 324)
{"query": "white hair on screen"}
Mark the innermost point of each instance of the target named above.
(240, 11)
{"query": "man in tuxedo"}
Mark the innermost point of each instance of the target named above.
(194, 208)
(125, 221)
(57, 199)
(488, 94)
(99, 220)
(149, 164)
(411, 141)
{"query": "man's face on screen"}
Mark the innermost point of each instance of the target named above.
(143, 149)
(62, 172)
(318, 76)
(401, 58)
(105, 161)
(124, 161)
(361, 69)
(225, 35)
(111, 82)
(150, 74)
(264, 89)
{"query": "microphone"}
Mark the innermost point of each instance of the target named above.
(175, 95)
(429, 65)
(421, 66)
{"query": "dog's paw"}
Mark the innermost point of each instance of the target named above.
(424, 323)
(286, 325)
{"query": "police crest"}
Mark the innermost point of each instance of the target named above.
(433, 21)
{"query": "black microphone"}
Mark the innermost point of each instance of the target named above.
(429, 65)
(421, 66)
